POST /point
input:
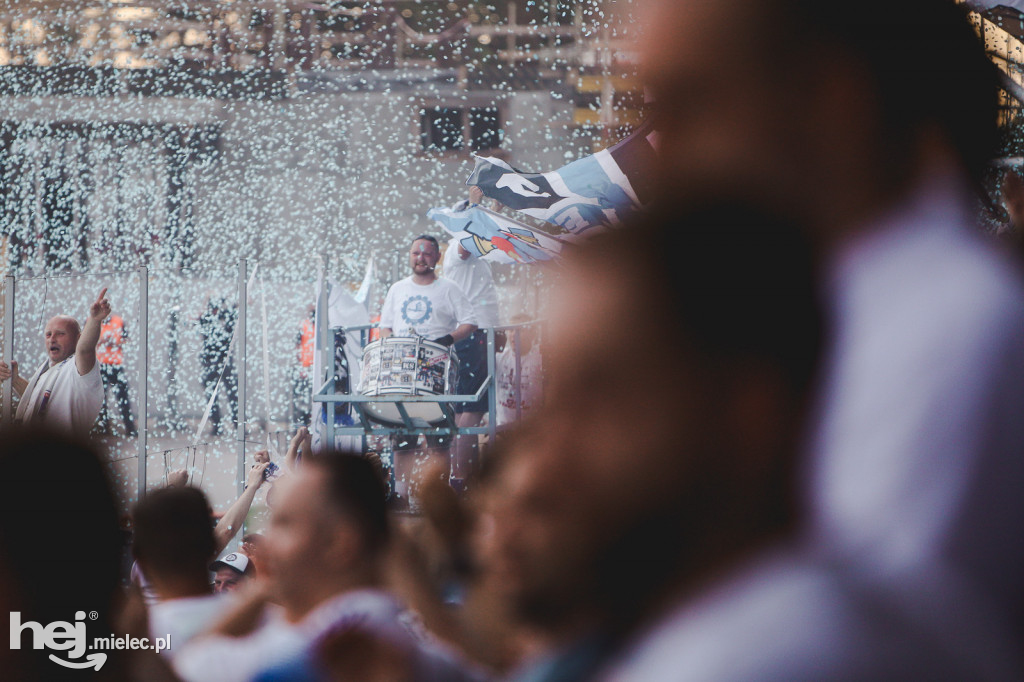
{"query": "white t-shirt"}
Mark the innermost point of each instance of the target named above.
(182, 619)
(916, 459)
(784, 617)
(530, 386)
(74, 400)
(474, 278)
(276, 641)
(429, 311)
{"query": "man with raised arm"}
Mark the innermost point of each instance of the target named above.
(65, 391)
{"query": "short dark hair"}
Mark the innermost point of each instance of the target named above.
(174, 531)
(60, 540)
(926, 61)
(357, 490)
(735, 280)
(734, 285)
(427, 237)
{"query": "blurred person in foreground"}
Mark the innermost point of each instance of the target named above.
(915, 467)
(661, 469)
(678, 543)
(440, 565)
(224, 529)
(174, 543)
(60, 546)
(66, 390)
(322, 556)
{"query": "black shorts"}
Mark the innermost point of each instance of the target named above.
(472, 353)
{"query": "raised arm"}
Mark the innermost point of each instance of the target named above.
(85, 351)
(233, 518)
(300, 443)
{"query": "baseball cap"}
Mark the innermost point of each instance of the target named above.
(235, 560)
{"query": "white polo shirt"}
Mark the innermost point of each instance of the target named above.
(74, 400)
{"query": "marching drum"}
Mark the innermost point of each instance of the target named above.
(411, 366)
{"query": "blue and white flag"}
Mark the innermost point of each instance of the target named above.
(494, 237)
(597, 191)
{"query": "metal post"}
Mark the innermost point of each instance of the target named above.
(325, 344)
(8, 388)
(330, 409)
(143, 376)
(492, 390)
(240, 337)
(519, 375)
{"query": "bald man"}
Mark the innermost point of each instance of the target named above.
(66, 391)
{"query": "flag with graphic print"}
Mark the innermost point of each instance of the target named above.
(492, 236)
(592, 193)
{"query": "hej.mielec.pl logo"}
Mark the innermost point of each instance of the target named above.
(72, 638)
(60, 636)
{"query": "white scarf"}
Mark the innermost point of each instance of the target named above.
(28, 408)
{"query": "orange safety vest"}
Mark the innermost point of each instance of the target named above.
(375, 332)
(108, 350)
(306, 344)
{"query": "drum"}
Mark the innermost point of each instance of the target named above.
(413, 366)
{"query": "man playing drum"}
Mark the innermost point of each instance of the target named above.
(436, 309)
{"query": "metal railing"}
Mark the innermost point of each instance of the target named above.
(327, 395)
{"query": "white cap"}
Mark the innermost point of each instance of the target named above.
(235, 560)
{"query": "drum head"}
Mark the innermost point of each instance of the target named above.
(387, 413)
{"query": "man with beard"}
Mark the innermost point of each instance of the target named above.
(435, 308)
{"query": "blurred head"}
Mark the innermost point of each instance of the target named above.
(60, 337)
(174, 539)
(252, 547)
(328, 530)
(528, 526)
(815, 105)
(423, 255)
(60, 543)
(687, 432)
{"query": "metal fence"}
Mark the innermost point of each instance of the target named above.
(178, 331)
(211, 367)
